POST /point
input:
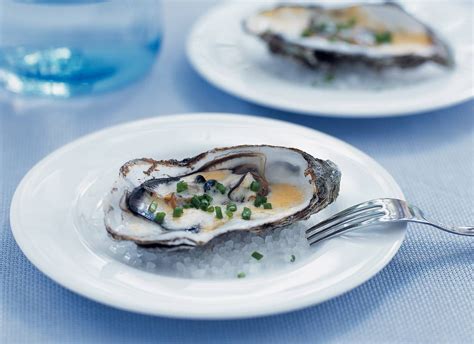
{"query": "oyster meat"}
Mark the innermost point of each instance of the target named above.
(376, 34)
(182, 204)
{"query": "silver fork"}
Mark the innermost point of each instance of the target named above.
(374, 212)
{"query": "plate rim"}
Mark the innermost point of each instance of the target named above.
(213, 77)
(56, 276)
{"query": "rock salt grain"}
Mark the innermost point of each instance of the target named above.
(224, 257)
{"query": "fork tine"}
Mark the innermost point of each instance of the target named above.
(321, 227)
(355, 211)
(345, 226)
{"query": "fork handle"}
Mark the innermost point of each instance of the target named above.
(421, 218)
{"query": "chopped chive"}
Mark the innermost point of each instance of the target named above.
(204, 204)
(321, 27)
(231, 207)
(207, 198)
(267, 206)
(218, 212)
(159, 217)
(177, 212)
(196, 202)
(257, 255)
(255, 186)
(181, 186)
(383, 37)
(346, 25)
(187, 206)
(229, 214)
(221, 188)
(259, 201)
(307, 32)
(329, 77)
(152, 207)
(246, 213)
(210, 209)
(241, 275)
(292, 258)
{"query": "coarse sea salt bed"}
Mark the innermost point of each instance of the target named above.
(224, 257)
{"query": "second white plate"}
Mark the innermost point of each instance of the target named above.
(55, 218)
(241, 65)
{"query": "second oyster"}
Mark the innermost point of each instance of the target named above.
(380, 35)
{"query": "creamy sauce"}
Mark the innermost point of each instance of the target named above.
(284, 195)
(411, 38)
(217, 174)
(281, 196)
(216, 224)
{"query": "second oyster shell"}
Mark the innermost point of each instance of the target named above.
(376, 34)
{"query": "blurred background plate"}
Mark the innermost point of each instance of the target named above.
(240, 64)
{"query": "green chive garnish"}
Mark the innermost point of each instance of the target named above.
(152, 207)
(255, 186)
(181, 186)
(307, 32)
(204, 204)
(257, 255)
(218, 212)
(292, 258)
(347, 25)
(329, 77)
(210, 209)
(177, 212)
(196, 202)
(267, 206)
(159, 217)
(241, 275)
(229, 214)
(231, 207)
(321, 27)
(221, 188)
(383, 37)
(207, 198)
(259, 201)
(246, 213)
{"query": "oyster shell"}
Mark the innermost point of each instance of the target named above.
(380, 35)
(295, 184)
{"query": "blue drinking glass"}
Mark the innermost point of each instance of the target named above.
(65, 48)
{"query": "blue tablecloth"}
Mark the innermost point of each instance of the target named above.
(424, 295)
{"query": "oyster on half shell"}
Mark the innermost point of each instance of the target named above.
(376, 34)
(182, 204)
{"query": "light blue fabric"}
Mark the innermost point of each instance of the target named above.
(425, 295)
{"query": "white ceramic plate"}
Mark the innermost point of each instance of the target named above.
(56, 236)
(241, 65)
